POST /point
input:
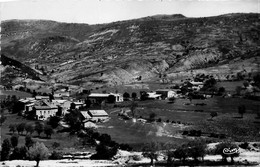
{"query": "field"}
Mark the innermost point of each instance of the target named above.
(18, 94)
(137, 133)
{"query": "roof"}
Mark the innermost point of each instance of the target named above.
(78, 103)
(59, 101)
(164, 90)
(30, 104)
(98, 112)
(41, 97)
(153, 95)
(85, 114)
(90, 125)
(44, 108)
(196, 83)
(99, 95)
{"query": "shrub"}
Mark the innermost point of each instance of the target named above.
(137, 157)
(56, 155)
(125, 147)
(55, 145)
(159, 120)
(244, 145)
(104, 152)
(172, 99)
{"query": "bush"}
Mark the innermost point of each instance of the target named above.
(55, 145)
(29, 128)
(172, 99)
(125, 147)
(56, 155)
(244, 145)
(137, 157)
(104, 152)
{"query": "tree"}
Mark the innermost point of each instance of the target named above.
(38, 152)
(196, 149)
(29, 128)
(12, 128)
(221, 90)
(39, 127)
(72, 106)
(111, 99)
(48, 131)
(126, 96)
(134, 95)
(54, 121)
(6, 148)
(238, 90)
(181, 153)
(241, 110)
(2, 119)
(152, 116)
(133, 107)
(143, 95)
(230, 147)
(20, 128)
(104, 152)
(172, 99)
(19, 153)
(14, 140)
(28, 141)
(150, 151)
(213, 114)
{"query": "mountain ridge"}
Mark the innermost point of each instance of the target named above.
(118, 52)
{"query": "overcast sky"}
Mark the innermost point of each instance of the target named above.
(104, 11)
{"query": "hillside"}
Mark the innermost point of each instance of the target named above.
(11, 69)
(149, 47)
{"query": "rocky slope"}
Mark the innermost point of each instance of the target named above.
(149, 47)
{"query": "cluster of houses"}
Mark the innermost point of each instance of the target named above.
(45, 107)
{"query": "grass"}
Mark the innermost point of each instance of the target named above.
(18, 94)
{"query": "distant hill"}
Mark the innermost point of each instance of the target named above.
(13, 69)
(118, 52)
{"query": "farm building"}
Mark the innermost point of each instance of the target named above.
(98, 115)
(153, 95)
(166, 93)
(99, 97)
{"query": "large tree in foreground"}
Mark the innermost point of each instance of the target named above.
(38, 152)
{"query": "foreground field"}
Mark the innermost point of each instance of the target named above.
(124, 158)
